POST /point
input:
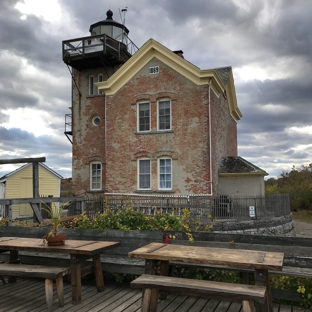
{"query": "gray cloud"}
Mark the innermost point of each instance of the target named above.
(275, 37)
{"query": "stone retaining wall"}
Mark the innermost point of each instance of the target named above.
(277, 226)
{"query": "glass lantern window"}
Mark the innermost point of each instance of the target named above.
(107, 29)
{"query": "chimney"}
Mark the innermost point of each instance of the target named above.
(179, 52)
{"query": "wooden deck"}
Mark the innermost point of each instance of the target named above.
(28, 295)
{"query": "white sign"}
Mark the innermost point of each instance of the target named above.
(252, 213)
(154, 70)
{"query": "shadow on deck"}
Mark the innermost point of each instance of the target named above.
(28, 295)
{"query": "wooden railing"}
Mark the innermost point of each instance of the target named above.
(76, 206)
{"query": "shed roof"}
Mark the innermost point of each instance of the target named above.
(4, 178)
(236, 165)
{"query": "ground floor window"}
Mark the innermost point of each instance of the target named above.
(95, 176)
(165, 174)
(144, 174)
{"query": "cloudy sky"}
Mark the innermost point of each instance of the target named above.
(267, 43)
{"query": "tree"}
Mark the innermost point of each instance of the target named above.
(297, 183)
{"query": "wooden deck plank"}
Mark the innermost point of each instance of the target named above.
(28, 295)
(234, 307)
(223, 306)
(90, 298)
(188, 303)
(135, 299)
(162, 304)
(202, 303)
(112, 303)
(175, 304)
(212, 305)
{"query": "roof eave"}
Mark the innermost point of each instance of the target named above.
(153, 49)
(223, 174)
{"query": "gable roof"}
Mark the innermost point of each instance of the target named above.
(236, 165)
(220, 80)
(4, 178)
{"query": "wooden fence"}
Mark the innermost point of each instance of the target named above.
(76, 206)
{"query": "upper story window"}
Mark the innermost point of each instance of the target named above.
(100, 79)
(144, 116)
(144, 174)
(95, 176)
(165, 173)
(93, 90)
(91, 85)
(164, 115)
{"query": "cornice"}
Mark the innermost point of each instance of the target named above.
(153, 49)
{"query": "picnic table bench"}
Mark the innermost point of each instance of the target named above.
(39, 271)
(247, 294)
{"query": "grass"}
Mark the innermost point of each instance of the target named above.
(303, 216)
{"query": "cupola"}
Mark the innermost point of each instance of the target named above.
(110, 28)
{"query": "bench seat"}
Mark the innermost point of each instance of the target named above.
(247, 294)
(49, 273)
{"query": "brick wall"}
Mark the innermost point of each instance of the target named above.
(118, 146)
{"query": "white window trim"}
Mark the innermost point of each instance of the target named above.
(100, 79)
(91, 85)
(138, 173)
(158, 170)
(138, 116)
(91, 188)
(162, 100)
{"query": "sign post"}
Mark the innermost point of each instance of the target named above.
(252, 212)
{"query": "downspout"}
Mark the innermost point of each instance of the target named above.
(105, 129)
(210, 136)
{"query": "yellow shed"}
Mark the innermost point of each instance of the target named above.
(19, 184)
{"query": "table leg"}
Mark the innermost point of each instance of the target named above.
(164, 271)
(150, 266)
(164, 268)
(75, 279)
(98, 273)
(13, 259)
(262, 279)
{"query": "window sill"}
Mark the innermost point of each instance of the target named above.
(95, 191)
(152, 132)
(95, 95)
(154, 191)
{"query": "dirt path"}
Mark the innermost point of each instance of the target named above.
(303, 229)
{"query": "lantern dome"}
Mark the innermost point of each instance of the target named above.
(110, 28)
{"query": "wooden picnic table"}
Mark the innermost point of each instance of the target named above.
(260, 261)
(78, 250)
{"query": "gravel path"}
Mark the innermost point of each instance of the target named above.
(303, 229)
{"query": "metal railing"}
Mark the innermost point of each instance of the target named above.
(98, 43)
(202, 207)
(220, 207)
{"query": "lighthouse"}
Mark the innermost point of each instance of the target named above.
(92, 59)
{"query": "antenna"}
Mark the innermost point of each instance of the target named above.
(124, 12)
(123, 21)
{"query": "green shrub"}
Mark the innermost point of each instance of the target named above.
(129, 219)
(295, 284)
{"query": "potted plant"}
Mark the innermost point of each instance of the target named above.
(54, 237)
